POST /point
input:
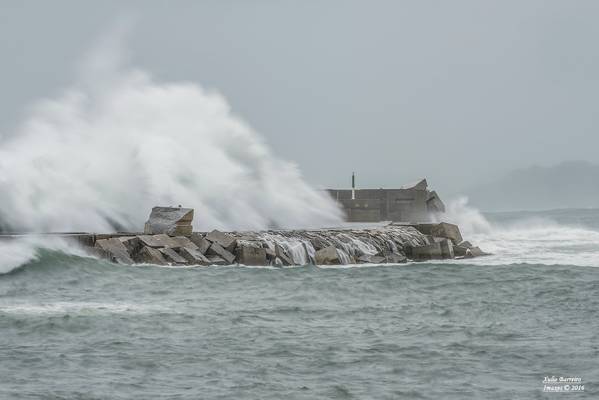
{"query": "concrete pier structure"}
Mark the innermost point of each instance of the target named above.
(409, 203)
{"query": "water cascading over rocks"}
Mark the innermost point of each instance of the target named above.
(393, 243)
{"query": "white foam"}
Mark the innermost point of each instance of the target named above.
(19, 251)
(530, 241)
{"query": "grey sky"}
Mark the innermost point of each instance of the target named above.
(454, 91)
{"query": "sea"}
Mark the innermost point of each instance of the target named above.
(522, 323)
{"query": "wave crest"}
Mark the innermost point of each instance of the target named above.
(118, 142)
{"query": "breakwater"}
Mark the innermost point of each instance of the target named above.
(386, 244)
(168, 239)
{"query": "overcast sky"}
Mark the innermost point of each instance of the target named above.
(452, 90)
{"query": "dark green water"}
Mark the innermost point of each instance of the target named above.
(78, 328)
(97, 331)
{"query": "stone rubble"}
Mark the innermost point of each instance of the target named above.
(393, 243)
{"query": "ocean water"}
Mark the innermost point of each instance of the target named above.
(73, 327)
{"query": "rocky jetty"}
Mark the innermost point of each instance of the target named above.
(168, 240)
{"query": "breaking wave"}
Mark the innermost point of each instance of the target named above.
(516, 238)
(18, 252)
(118, 142)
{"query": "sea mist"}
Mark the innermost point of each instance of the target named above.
(117, 142)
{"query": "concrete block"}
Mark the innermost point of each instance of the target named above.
(172, 256)
(427, 252)
(475, 252)
(226, 241)
(181, 230)
(169, 220)
(132, 243)
(282, 255)
(216, 260)
(446, 248)
(251, 255)
(116, 250)
(98, 253)
(217, 250)
(199, 240)
(327, 256)
(182, 241)
(449, 231)
(318, 243)
(157, 241)
(194, 256)
(425, 229)
(150, 255)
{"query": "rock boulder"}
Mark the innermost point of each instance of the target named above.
(201, 242)
(428, 252)
(173, 221)
(172, 256)
(150, 255)
(115, 249)
(327, 256)
(448, 231)
(446, 248)
(217, 250)
(249, 253)
(194, 256)
(157, 241)
(225, 240)
(475, 251)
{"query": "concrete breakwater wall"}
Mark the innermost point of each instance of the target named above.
(168, 240)
(387, 244)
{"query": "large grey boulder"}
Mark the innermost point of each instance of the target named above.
(194, 256)
(216, 260)
(428, 252)
(448, 231)
(157, 241)
(446, 248)
(461, 249)
(115, 249)
(172, 256)
(173, 221)
(150, 255)
(249, 253)
(475, 251)
(132, 244)
(218, 250)
(200, 241)
(179, 242)
(282, 255)
(425, 229)
(442, 230)
(466, 244)
(225, 240)
(319, 243)
(327, 256)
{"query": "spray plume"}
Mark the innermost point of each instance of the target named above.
(117, 143)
